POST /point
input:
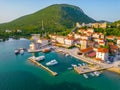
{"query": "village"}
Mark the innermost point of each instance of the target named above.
(100, 51)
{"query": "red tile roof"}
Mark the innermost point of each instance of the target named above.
(87, 50)
(103, 50)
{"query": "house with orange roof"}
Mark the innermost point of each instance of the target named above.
(101, 43)
(102, 54)
(110, 37)
(87, 50)
(101, 40)
(113, 49)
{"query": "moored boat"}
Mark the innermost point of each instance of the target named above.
(85, 75)
(46, 50)
(17, 51)
(40, 58)
(52, 62)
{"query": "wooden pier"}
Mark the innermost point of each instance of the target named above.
(42, 66)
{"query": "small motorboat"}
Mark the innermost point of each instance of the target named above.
(97, 73)
(17, 51)
(73, 65)
(92, 74)
(52, 62)
(40, 58)
(70, 68)
(85, 75)
(21, 51)
(66, 55)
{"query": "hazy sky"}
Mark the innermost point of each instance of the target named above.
(97, 9)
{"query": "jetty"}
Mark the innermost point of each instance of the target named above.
(42, 66)
(88, 69)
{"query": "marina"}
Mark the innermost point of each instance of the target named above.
(40, 65)
(20, 67)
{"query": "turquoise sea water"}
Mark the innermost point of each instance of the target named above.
(17, 73)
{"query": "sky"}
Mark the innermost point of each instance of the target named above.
(97, 9)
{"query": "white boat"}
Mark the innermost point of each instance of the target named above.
(21, 51)
(79, 64)
(17, 51)
(69, 68)
(84, 64)
(40, 58)
(66, 55)
(73, 65)
(52, 62)
(97, 73)
(92, 74)
(85, 75)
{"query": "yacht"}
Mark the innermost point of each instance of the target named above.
(52, 62)
(40, 58)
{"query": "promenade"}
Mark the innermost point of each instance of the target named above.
(73, 52)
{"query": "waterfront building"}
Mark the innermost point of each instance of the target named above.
(102, 54)
(84, 44)
(60, 39)
(43, 42)
(69, 41)
(87, 50)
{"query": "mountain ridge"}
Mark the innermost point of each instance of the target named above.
(57, 17)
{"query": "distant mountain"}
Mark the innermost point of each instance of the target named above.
(55, 17)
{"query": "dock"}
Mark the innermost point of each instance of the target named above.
(42, 66)
(88, 69)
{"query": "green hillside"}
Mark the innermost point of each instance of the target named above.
(58, 17)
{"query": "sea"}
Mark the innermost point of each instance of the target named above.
(18, 73)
